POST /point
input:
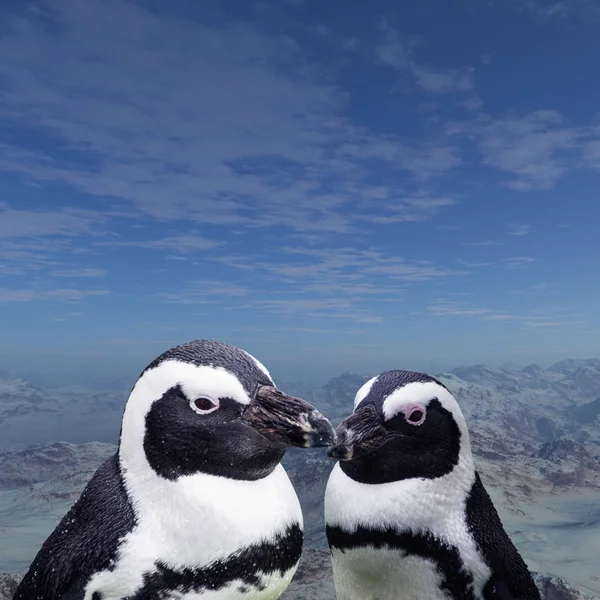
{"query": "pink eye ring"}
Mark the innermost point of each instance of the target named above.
(204, 405)
(414, 415)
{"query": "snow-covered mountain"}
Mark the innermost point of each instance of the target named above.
(49, 461)
(542, 500)
(535, 434)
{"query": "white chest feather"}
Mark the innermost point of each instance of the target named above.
(194, 521)
(416, 506)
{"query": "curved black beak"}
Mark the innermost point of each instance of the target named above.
(358, 435)
(287, 420)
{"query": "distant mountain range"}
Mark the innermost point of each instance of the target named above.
(535, 433)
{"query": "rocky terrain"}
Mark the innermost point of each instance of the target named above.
(535, 433)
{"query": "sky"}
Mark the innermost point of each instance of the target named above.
(331, 185)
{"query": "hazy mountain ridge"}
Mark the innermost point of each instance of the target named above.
(49, 461)
(31, 415)
(537, 454)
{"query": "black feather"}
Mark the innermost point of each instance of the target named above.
(84, 542)
(510, 575)
(497, 589)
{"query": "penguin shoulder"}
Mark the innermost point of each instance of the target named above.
(510, 574)
(85, 541)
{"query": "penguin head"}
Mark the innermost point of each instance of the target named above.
(405, 425)
(209, 407)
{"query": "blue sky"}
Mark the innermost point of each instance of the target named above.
(330, 185)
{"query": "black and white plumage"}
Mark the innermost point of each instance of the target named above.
(195, 503)
(407, 516)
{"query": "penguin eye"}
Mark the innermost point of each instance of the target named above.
(415, 416)
(204, 405)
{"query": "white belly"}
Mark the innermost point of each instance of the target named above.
(369, 574)
(195, 521)
(412, 505)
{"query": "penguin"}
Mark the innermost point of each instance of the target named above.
(195, 503)
(407, 516)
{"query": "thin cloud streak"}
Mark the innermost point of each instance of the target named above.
(173, 148)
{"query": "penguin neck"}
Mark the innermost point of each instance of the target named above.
(224, 515)
(407, 504)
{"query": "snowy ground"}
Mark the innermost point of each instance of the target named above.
(561, 535)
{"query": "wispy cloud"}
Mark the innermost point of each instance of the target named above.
(535, 149)
(337, 308)
(592, 154)
(396, 51)
(61, 295)
(124, 341)
(536, 288)
(339, 266)
(519, 261)
(67, 317)
(473, 264)
(82, 272)
(519, 230)
(486, 243)
(183, 244)
(551, 9)
(550, 317)
(206, 291)
(542, 8)
(258, 147)
(340, 283)
(35, 223)
(454, 309)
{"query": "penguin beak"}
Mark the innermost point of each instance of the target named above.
(358, 435)
(287, 420)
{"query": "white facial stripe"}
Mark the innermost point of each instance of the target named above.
(414, 394)
(364, 391)
(214, 382)
(195, 381)
(260, 365)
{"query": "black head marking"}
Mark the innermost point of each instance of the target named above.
(179, 442)
(404, 451)
(211, 353)
(383, 450)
